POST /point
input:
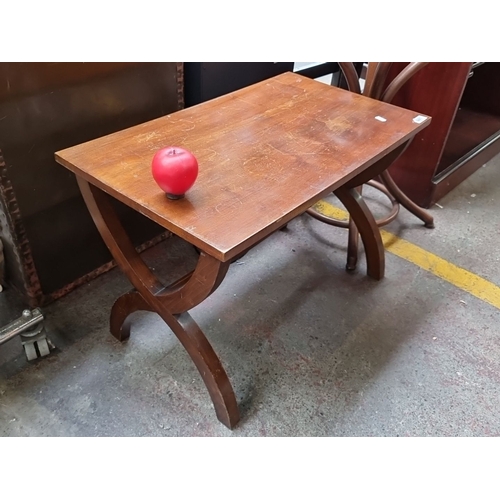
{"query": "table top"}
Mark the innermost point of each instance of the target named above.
(265, 153)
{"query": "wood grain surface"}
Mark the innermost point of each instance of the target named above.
(265, 153)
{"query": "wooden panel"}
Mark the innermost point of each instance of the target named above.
(34, 125)
(20, 79)
(299, 136)
(49, 106)
(435, 91)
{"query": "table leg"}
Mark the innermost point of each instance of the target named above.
(171, 303)
(353, 241)
(368, 229)
(361, 214)
(124, 306)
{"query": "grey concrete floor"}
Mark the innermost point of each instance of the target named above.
(310, 349)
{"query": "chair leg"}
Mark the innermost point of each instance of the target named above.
(412, 207)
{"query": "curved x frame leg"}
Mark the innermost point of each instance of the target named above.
(171, 303)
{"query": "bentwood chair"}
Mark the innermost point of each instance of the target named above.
(376, 87)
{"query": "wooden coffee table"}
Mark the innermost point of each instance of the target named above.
(266, 153)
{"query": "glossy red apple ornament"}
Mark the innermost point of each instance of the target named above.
(174, 170)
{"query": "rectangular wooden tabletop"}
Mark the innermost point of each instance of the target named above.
(265, 154)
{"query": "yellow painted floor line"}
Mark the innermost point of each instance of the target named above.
(457, 276)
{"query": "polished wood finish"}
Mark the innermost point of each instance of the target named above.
(474, 136)
(463, 134)
(288, 133)
(266, 153)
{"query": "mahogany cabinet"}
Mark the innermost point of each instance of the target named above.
(462, 99)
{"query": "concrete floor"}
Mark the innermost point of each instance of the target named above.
(310, 349)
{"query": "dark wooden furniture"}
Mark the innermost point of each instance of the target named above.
(462, 99)
(51, 244)
(266, 153)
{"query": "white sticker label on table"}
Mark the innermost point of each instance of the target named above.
(419, 119)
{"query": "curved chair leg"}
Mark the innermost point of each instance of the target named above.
(368, 229)
(419, 212)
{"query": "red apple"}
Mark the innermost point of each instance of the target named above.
(174, 170)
